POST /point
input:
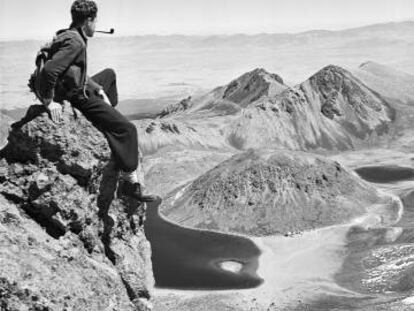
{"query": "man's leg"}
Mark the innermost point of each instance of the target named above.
(107, 79)
(122, 139)
(120, 133)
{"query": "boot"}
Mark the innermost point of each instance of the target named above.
(134, 190)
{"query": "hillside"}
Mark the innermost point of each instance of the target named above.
(387, 81)
(262, 192)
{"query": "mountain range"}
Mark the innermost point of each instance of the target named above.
(331, 110)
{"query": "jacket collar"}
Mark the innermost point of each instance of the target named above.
(80, 31)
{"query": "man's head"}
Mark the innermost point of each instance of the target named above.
(84, 15)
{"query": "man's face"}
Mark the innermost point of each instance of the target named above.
(90, 26)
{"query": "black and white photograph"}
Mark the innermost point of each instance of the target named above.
(206, 155)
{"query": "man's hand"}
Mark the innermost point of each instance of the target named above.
(104, 97)
(55, 110)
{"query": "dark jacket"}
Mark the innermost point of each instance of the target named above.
(64, 74)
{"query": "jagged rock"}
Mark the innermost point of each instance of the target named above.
(60, 178)
(39, 272)
(261, 192)
(5, 122)
(177, 107)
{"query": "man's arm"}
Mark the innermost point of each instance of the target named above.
(67, 52)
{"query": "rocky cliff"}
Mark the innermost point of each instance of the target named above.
(68, 240)
(261, 192)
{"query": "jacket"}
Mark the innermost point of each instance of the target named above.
(64, 74)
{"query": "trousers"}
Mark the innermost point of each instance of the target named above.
(121, 134)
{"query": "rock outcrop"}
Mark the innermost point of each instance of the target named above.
(5, 122)
(181, 106)
(69, 240)
(262, 192)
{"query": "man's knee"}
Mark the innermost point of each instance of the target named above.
(130, 129)
(110, 73)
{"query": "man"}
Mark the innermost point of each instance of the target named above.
(63, 77)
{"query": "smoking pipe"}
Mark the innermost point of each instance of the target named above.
(111, 31)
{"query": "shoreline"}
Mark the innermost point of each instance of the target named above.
(284, 280)
(197, 256)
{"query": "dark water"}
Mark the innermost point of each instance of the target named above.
(189, 259)
(385, 174)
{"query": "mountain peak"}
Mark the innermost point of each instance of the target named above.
(263, 73)
(332, 69)
(259, 70)
(333, 78)
(251, 86)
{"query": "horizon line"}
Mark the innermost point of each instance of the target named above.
(411, 20)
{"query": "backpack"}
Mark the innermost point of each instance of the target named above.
(42, 57)
(44, 54)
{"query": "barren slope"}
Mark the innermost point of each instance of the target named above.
(387, 81)
(261, 192)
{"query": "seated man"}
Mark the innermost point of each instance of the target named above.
(63, 77)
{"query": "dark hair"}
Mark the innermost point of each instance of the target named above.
(81, 10)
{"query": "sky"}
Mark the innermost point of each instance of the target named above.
(39, 19)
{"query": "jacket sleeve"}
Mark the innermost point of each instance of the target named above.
(68, 50)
